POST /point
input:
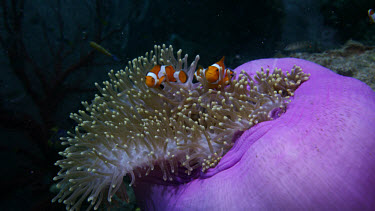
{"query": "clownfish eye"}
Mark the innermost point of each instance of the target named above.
(217, 69)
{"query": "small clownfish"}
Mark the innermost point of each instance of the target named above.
(102, 50)
(213, 76)
(371, 15)
(157, 74)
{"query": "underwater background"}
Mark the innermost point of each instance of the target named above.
(48, 65)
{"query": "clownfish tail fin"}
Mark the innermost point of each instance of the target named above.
(182, 76)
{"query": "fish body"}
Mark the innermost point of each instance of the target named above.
(298, 46)
(371, 15)
(216, 74)
(158, 73)
(102, 50)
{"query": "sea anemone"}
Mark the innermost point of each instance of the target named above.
(318, 155)
(176, 133)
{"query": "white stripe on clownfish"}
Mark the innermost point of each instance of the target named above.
(162, 71)
(220, 75)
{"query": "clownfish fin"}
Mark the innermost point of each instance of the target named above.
(221, 62)
(160, 81)
(156, 69)
(180, 76)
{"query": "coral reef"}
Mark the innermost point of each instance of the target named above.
(317, 156)
(353, 59)
(170, 133)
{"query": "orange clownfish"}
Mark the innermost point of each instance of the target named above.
(215, 74)
(371, 15)
(158, 73)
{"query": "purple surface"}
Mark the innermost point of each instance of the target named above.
(319, 155)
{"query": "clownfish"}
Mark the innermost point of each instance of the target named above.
(157, 74)
(215, 74)
(371, 15)
(102, 50)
